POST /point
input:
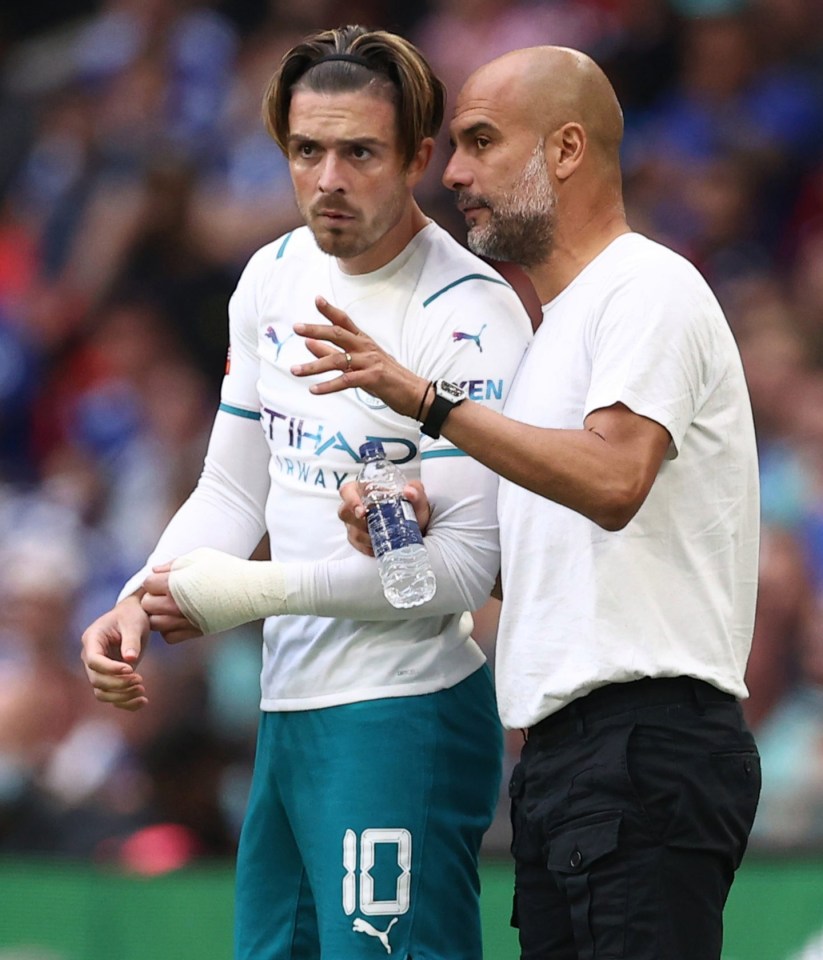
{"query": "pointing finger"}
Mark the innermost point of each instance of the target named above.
(335, 314)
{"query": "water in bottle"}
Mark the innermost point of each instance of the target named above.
(405, 570)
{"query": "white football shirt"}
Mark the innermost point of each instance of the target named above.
(674, 592)
(281, 453)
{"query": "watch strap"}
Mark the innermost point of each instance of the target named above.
(439, 409)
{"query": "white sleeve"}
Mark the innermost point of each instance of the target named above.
(656, 351)
(462, 543)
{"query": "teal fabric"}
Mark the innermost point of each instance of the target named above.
(364, 826)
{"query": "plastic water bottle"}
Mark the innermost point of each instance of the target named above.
(405, 571)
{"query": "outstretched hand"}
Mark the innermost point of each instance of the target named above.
(359, 360)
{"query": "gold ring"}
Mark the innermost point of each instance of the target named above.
(348, 361)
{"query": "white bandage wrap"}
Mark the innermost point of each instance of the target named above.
(216, 591)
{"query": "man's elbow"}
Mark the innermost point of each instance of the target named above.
(612, 522)
(615, 511)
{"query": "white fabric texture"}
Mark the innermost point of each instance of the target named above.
(443, 313)
(674, 592)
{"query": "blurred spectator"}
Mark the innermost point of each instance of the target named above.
(784, 606)
(39, 578)
(75, 780)
(641, 53)
(756, 124)
(247, 198)
(20, 363)
(791, 745)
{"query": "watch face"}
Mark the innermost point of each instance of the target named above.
(450, 390)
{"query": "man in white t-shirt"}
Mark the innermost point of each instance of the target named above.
(379, 747)
(629, 520)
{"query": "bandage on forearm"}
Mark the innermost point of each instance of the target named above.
(216, 591)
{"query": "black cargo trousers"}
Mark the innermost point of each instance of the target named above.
(631, 811)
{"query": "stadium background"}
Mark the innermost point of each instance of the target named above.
(135, 180)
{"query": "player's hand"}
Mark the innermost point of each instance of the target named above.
(162, 610)
(359, 360)
(112, 648)
(415, 493)
(353, 513)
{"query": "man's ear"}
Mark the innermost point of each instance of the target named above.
(420, 162)
(570, 147)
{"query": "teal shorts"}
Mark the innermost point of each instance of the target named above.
(363, 828)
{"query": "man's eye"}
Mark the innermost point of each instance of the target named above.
(302, 150)
(481, 142)
(360, 153)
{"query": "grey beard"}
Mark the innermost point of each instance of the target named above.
(512, 238)
(521, 226)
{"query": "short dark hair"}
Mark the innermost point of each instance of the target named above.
(378, 58)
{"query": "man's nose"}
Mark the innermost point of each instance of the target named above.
(456, 176)
(331, 174)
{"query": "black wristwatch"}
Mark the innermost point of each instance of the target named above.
(447, 396)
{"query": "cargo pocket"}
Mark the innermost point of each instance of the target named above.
(578, 856)
(737, 783)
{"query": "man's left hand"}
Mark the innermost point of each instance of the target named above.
(359, 360)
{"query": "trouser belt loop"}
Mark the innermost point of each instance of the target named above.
(700, 695)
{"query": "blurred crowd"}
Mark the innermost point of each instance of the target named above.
(136, 179)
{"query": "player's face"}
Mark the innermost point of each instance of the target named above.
(504, 191)
(351, 184)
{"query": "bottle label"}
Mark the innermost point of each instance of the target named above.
(392, 525)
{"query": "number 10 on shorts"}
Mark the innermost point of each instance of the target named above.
(399, 838)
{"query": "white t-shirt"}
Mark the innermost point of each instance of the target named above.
(279, 454)
(674, 592)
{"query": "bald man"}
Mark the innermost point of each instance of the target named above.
(628, 511)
